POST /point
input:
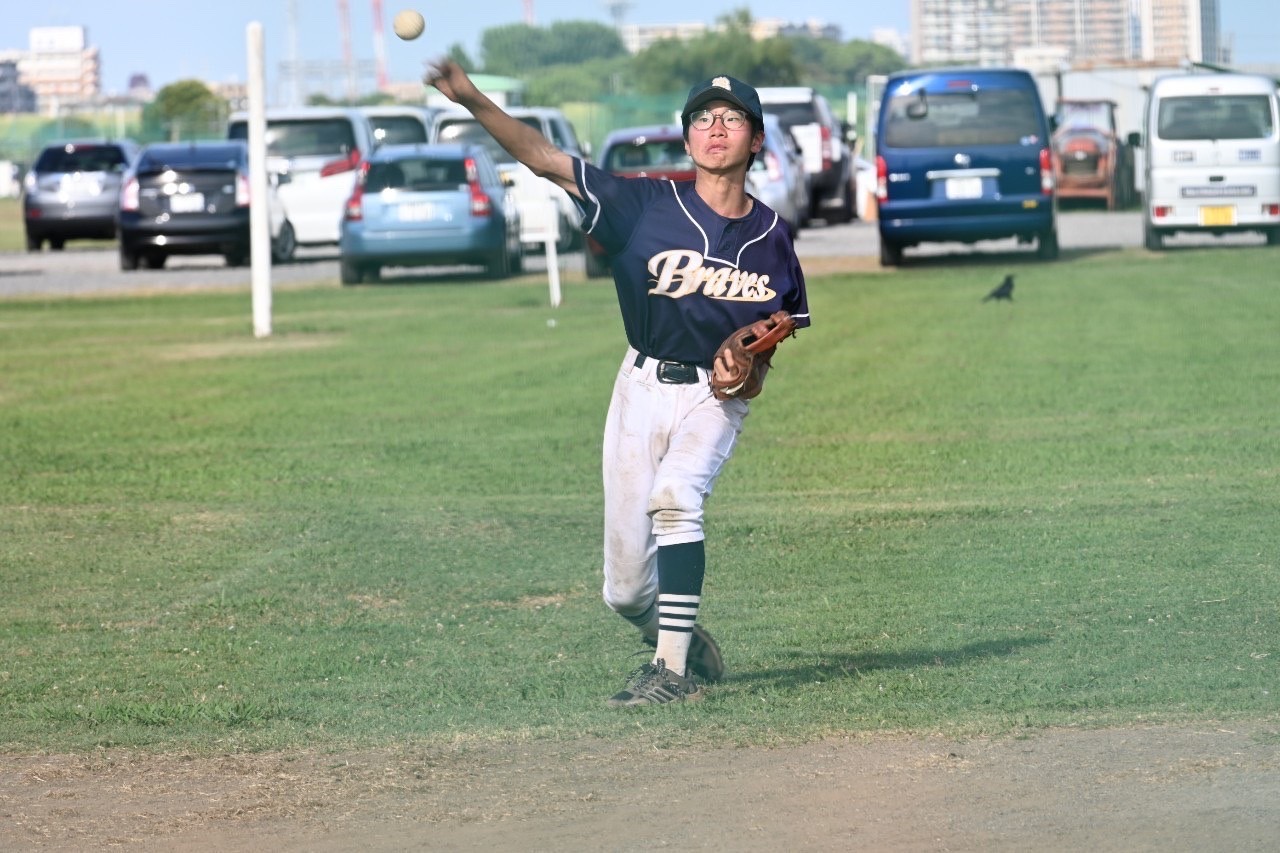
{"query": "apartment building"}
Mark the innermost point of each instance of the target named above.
(59, 66)
(995, 32)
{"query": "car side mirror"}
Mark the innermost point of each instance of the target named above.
(279, 179)
(508, 179)
(1135, 139)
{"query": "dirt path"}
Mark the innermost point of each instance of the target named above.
(1169, 789)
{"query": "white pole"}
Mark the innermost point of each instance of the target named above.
(259, 216)
(553, 268)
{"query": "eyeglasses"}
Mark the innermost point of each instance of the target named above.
(731, 119)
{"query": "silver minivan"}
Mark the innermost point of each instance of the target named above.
(315, 154)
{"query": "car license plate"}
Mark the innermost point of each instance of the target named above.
(423, 211)
(964, 188)
(187, 203)
(1218, 215)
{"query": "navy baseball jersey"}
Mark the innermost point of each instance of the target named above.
(686, 276)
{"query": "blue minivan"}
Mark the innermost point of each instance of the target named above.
(963, 155)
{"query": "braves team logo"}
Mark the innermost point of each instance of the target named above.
(680, 272)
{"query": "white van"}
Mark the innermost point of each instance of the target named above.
(1212, 156)
(316, 152)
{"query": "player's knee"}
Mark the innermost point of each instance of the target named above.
(676, 510)
(630, 596)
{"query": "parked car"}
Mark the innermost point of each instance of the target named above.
(963, 155)
(400, 124)
(420, 205)
(1091, 159)
(72, 191)
(824, 139)
(320, 149)
(192, 198)
(531, 192)
(648, 151)
(1212, 144)
(778, 178)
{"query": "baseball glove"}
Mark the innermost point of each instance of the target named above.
(743, 358)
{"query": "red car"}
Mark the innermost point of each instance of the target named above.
(652, 151)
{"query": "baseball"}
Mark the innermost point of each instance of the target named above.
(408, 24)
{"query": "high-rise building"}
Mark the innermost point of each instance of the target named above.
(60, 66)
(994, 32)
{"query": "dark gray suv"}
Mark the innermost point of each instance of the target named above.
(73, 191)
(823, 139)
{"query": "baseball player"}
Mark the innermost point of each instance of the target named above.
(692, 262)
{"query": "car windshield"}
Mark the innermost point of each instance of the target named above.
(793, 114)
(917, 119)
(396, 130)
(1215, 117)
(645, 155)
(420, 174)
(469, 130)
(191, 157)
(1084, 116)
(304, 137)
(81, 158)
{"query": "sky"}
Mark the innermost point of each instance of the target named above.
(171, 40)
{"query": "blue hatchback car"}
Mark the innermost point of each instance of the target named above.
(963, 155)
(423, 205)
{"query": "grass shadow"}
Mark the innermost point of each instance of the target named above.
(809, 667)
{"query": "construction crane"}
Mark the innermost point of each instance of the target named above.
(380, 47)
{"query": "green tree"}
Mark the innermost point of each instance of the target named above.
(587, 81)
(670, 65)
(518, 49)
(514, 49)
(459, 55)
(186, 109)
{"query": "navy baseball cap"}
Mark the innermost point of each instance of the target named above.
(724, 88)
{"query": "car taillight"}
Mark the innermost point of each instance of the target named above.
(882, 180)
(1046, 171)
(826, 148)
(481, 204)
(772, 166)
(345, 164)
(354, 208)
(1271, 209)
(242, 191)
(1160, 211)
(129, 195)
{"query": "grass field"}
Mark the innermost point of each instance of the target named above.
(382, 524)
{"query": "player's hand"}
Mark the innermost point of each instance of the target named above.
(725, 368)
(448, 76)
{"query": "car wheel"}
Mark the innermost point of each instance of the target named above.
(155, 260)
(56, 243)
(128, 259)
(34, 243)
(847, 211)
(597, 265)
(1151, 238)
(284, 246)
(517, 259)
(236, 258)
(1047, 245)
(499, 265)
(1273, 237)
(890, 253)
(349, 272)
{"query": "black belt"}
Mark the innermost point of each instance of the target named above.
(672, 372)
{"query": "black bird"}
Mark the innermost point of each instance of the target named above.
(1004, 291)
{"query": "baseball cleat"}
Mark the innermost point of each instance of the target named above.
(654, 684)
